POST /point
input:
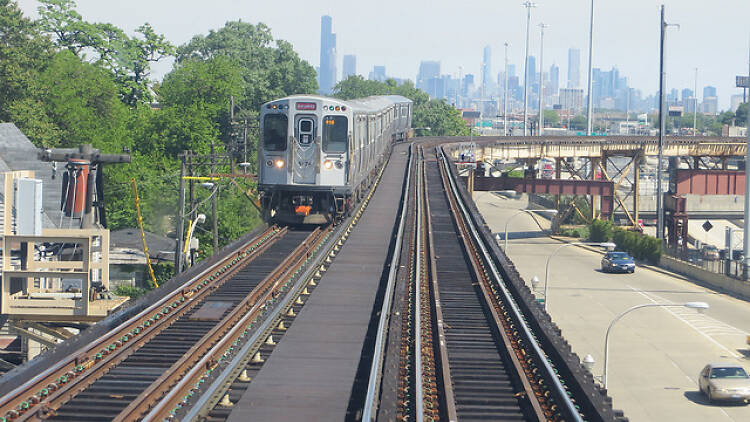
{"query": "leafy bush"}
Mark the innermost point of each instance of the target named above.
(600, 230)
(641, 246)
(131, 291)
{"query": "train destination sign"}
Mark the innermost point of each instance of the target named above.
(306, 106)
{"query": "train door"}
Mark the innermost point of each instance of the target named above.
(305, 158)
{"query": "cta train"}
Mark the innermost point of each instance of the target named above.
(318, 156)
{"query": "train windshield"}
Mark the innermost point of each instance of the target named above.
(335, 130)
(275, 127)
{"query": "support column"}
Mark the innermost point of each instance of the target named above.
(558, 173)
(595, 161)
(636, 186)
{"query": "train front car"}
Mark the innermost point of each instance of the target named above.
(303, 159)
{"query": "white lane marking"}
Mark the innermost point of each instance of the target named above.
(690, 324)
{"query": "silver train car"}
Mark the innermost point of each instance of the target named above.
(318, 156)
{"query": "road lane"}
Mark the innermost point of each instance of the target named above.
(655, 353)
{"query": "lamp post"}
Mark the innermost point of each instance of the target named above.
(528, 5)
(505, 244)
(505, 93)
(608, 245)
(662, 128)
(700, 306)
(541, 80)
(589, 111)
(746, 235)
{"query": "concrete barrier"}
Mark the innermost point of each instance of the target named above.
(713, 281)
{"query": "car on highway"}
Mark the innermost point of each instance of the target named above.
(618, 262)
(710, 252)
(724, 381)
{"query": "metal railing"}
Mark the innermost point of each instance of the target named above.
(730, 268)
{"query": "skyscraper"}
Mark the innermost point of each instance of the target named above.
(350, 66)
(486, 71)
(532, 71)
(709, 91)
(554, 80)
(574, 68)
(427, 70)
(378, 74)
(327, 74)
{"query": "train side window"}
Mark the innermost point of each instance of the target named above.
(275, 128)
(335, 129)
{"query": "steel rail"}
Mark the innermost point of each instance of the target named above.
(373, 385)
(418, 377)
(478, 268)
(76, 366)
(175, 385)
(448, 396)
(530, 338)
(208, 399)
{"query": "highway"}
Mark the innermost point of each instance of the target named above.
(655, 353)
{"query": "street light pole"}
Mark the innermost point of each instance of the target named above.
(662, 126)
(589, 111)
(700, 306)
(528, 4)
(541, 81)
(505, 243)
(607, 245)
(505, 95)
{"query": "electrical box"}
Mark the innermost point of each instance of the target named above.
(28, 207)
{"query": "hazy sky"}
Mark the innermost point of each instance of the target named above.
(713, 35)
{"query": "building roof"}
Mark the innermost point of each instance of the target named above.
(159, 247)
(18, 153)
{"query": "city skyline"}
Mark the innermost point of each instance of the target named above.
(623, 35)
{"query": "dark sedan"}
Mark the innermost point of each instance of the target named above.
(618, 262)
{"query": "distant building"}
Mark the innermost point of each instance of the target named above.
(427, 70)
(687, 94)
(486, 71)
(709, 91)
(511, 70)
(532, 71)
(710, 105)
(574, 68)
(571, 99)
(327, 73)
(554, 79)
(378, 74)
(350, 66)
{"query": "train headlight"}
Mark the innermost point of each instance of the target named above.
(328, 164)
(339, 164)
(279, 163)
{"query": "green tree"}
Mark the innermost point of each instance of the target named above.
(741, 115)
(442, 119)
(82, 100)
(128, 58)
(23, 53)
(551, 118)
(270, 69)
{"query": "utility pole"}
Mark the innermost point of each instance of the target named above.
(528, 4)
(541, 81)
(214, 201)
(505, 95)
(178, 256)
(590, 110)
